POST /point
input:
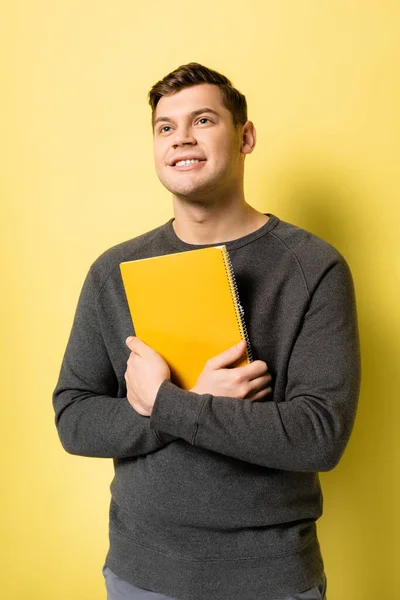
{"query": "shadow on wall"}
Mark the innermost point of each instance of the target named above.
(360, 506)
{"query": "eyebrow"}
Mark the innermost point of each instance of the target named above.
(194, 113)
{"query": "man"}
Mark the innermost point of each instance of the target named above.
(216, 489)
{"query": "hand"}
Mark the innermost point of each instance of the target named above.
(146, 370)
(250, 382)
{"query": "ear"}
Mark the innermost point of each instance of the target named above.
(249, 138)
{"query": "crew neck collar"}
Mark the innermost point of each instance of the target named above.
(230, 245)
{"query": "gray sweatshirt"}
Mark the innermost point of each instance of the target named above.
(216, 498)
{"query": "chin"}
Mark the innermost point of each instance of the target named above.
(195, 194)
(191, 190)
(186, 191)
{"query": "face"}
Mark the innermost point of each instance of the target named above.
(193, 124)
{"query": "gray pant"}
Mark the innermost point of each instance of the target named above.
(118, 589)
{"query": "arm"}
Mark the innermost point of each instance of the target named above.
(308, 427)
(91, 419)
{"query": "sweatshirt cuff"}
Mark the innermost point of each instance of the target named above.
(176, 411)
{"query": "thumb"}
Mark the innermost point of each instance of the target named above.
(229, 356)
(137, 346)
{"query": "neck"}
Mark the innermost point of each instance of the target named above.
(210, 224)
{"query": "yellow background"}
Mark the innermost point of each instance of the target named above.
(322, 82)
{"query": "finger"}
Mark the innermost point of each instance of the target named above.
(255, 369)
(131, 343)
(256, 385)
(228, 357)
(251, 388)
(260, 395)
(137, 346)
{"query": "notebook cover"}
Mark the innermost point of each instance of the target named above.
(183, 306)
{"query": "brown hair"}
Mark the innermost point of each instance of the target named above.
(194, 74)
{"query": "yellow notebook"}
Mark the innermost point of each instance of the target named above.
(186, 306)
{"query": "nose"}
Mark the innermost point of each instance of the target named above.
(183, 136)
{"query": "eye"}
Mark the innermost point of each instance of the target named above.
(161, 130)
(205, 119)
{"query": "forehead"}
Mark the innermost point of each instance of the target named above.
(189, 99)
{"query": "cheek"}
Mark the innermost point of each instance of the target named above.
(224, 157)
(223, 148)
(156, 154)
(159, 153)
(157, 162)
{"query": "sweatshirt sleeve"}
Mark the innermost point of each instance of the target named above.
(307, 428)
(90, 417)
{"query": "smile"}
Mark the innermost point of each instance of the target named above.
(186, 165)
(192, 161)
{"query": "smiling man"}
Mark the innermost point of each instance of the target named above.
(216, 491)
(199, 156)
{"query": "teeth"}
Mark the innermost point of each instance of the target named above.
(183, 163)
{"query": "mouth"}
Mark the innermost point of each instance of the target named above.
(188, 165)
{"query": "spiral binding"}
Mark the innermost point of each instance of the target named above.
(238, 307)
